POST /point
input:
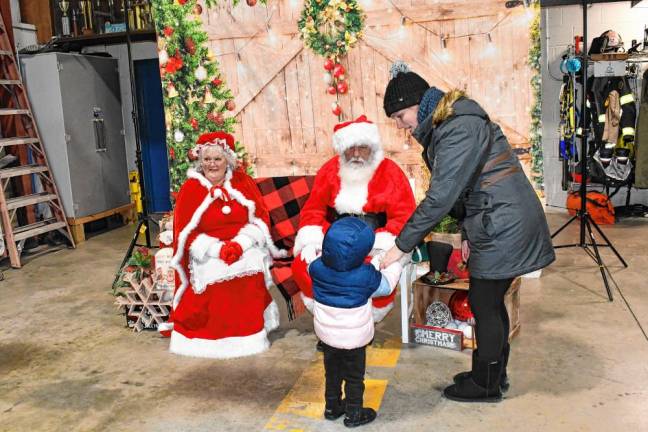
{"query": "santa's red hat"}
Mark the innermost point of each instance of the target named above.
(354, 133)
(221, 139)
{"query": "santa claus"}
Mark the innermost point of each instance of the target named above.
(359, 181)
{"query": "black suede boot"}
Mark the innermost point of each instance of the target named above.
(358, 416)
(465, 375)
(482, 386)
(334, 409)
(504, 381)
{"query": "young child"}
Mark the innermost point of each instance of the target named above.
(342, 312)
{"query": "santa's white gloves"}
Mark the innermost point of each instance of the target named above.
(377, 257)
(310, 253)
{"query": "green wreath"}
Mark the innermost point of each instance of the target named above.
(331, 27)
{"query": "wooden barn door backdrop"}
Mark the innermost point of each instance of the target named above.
(283, 112)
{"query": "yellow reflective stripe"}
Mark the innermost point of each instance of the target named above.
(627, 131)
(626, 99)
(601, 118)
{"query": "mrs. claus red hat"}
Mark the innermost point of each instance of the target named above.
(225, 140)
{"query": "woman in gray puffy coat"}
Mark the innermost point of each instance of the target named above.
(473, 169)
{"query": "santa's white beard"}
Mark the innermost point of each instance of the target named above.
(356, 173)
(354, 181)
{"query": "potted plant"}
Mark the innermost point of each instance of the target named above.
(447, 231)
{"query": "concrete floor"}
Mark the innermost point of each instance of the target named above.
(68, 364)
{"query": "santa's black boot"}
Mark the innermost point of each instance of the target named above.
(483, 385)
(358, 416)
(334, 409)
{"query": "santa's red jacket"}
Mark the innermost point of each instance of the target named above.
(382, 187)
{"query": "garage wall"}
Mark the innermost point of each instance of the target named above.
(559, 26)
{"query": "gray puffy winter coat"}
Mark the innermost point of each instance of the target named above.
(505, 224)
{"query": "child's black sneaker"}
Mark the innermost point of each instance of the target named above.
(334, 409)
(358, 416)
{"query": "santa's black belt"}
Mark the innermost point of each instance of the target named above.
(374, 220)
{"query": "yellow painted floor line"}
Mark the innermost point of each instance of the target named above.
(385, 355)
(303, 407)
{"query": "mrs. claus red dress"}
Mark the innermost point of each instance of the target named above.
(221, 310)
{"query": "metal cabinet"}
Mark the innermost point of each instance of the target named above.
(77, 105)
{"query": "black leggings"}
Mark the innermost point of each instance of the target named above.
(486, 299)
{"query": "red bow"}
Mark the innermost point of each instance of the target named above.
(223, 192)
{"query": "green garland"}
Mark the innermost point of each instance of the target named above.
(331, 27)
(535, 132)
(196, 98)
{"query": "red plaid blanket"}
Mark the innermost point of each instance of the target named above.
(284, 197)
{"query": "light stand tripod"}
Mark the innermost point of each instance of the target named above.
(143, 222)
(586, 221)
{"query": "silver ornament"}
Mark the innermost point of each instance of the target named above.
(178, 136)
(438, 314)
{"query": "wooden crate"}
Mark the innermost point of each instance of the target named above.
(127, 213)
(425, 294)
(609, 56)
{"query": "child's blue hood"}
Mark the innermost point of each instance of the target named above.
(346, 244)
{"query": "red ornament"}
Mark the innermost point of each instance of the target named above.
(190, 45)
(197, 10)
(193, 154)
(217, 118)
(194, 123)
(251, 2)
(331, 90)
(230, 105)
(174, 64)
(459, 306)
(217, 81)
(172, 153)
(342, 87)
(168, 31)
(328, 64)
(338, 70)
(336, 109)
(182, 2)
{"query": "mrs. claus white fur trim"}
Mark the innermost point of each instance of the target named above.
(176, 262)
(228, 347)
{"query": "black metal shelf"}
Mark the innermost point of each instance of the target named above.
(106, 38)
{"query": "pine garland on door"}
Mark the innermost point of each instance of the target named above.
(535, 132)
(196, 97)
(331, 28)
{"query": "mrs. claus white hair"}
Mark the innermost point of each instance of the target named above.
(231, 159)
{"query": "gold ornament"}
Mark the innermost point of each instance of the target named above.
(209, 98)
(172, 92)
(193, 98)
